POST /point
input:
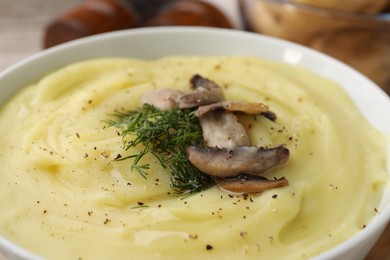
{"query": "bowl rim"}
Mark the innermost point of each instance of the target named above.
(376, 225)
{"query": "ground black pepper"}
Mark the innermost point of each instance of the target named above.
(193, 236)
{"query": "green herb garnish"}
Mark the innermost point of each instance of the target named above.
(166, 135)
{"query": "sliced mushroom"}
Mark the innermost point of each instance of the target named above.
(164, 99)
(206, 92)
(249, 183)
(253, 108)
(224, 162)
(222, 129)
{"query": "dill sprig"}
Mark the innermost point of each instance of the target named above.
(166, 135)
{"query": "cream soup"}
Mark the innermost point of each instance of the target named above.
(63, 195)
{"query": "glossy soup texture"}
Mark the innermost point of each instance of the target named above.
(63, 196)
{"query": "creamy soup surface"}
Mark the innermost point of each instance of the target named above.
(63, 195)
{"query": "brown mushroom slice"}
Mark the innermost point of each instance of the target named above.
(249, 183)
(253, 108)
(224, 162)
(222, 129)
(164, 99)
(206, 92)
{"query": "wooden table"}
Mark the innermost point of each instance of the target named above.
(22, 24)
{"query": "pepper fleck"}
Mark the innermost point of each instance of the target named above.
(193, 236)
(209, 247)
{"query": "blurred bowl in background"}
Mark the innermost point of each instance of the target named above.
(358, 35)
(354, 6)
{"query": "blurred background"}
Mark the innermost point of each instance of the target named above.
(22, 25)
(354, 31)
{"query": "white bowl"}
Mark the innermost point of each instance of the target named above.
(158, 42)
